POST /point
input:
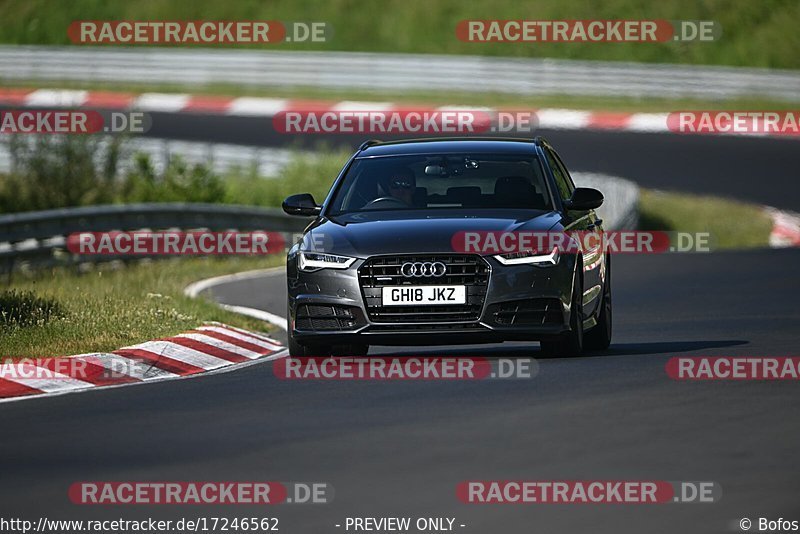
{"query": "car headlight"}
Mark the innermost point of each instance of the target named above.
(314, 261)
(530, 258)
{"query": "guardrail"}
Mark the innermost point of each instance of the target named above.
(221, 158)
(38, 239)
(620, 209)
(396, 72)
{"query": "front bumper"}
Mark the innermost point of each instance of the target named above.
(520, 303)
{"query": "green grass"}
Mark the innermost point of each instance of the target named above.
(304, 174)
(25, 308)
(62, 174)
(428, 98)
(109, 308)
(732, 224)
(762, 34)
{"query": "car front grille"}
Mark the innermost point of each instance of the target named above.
(326, 317)
(530, 312)
(468, 270)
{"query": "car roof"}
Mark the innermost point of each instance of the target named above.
(448, 145)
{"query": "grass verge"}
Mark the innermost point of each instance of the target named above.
(762, 34)
(303, 174)
(732, 224)
(109, 308)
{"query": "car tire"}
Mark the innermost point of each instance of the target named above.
(296, 349)
(599, 337)
(569, 343)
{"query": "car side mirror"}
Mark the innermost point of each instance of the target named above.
(302, 204)
(584, 198)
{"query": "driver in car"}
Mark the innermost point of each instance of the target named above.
(401, 184)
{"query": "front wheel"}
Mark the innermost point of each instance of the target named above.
(569, 343)
(298, 350)
(599, 337)
(295, 348)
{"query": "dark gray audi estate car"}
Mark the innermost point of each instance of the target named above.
(382, 262)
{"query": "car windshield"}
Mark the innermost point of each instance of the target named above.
(451, 181)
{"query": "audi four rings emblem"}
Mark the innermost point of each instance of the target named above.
(418, 269)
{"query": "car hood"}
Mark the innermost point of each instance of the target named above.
(367, 234)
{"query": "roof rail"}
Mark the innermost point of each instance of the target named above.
(369, 143)
(540, 141)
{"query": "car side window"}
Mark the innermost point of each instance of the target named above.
(570, 183)
(563, 181)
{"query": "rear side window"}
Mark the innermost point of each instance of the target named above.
(563, 181)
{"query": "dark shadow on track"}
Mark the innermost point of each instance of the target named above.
(625, 349)
(532, 350)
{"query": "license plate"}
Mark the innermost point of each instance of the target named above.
(422, 295)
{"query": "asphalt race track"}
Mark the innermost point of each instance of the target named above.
(400, 448)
